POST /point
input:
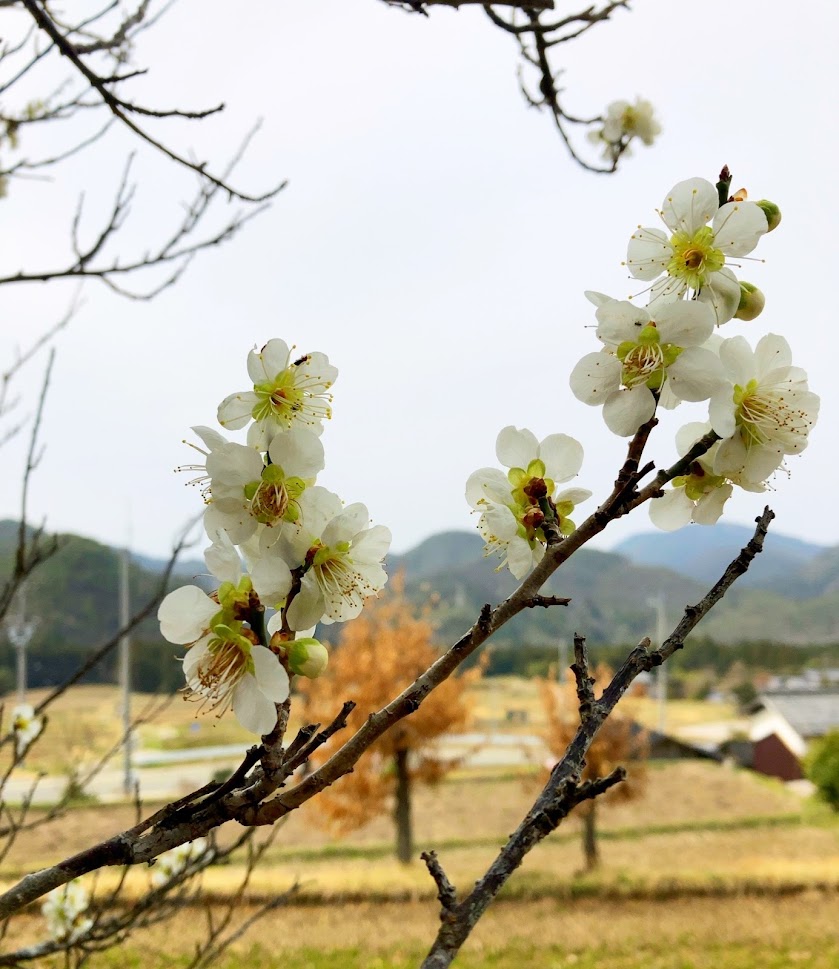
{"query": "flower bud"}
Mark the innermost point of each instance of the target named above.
(307, 657)
(752, 302)
(772, 213)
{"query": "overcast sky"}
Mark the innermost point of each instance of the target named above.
(434, 240)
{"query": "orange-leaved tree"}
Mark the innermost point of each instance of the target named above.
(619, 742)
(380, 653)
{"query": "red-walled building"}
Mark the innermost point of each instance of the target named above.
(783, 724)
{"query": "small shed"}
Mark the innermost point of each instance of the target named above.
(784, 722)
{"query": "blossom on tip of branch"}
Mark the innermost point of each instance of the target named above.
(26, 727)
(623, 122)
(644, 352)
(692, 258)
(285, 392)
(765, 412)
(514, 506)
(64, 910)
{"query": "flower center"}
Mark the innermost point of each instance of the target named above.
(694, 257)
(293, 393)
(227, 662)
(767, 414)
(643, 364)
(270, 503)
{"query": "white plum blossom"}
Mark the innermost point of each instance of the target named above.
(692, 256)
(700, 494)
(513, 506)
(285, 392)
(64, 909)
(342, 557)
(766, 412)
(644, 352)
(246, 492)
(26, 727)
(225, 666)
(175, 861)
(227, 669)
(623, 122)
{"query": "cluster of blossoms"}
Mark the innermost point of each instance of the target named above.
(623, 122)
(26, 727)
(760, 408)
(172, 863)
(64, 910)
(278, 541)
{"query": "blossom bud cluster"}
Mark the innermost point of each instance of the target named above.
(621, 124)
(760, 408)
(278, 540)
(64, 909)
(176, 861)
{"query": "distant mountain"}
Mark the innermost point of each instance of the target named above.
(442, 551)
(611, 594)
(74, 597)
(184, 568)
(703, 553)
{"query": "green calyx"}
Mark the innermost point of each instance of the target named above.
(225, 634)
(529, 486)
(699, 482)
(232, 599)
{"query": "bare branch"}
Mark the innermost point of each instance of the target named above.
(446, 893)
(120, 109)
(563, 790)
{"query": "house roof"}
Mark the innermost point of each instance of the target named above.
(811, 713)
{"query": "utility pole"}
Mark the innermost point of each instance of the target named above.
(562, 665)
(20, 629)
(125, 673)
(657, 603)
(562, 658)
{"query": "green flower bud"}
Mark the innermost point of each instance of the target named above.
(772, 213)
(307, 657)
(752, 302)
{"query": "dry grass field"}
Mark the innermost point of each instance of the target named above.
(738, 932)
(712, 868)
